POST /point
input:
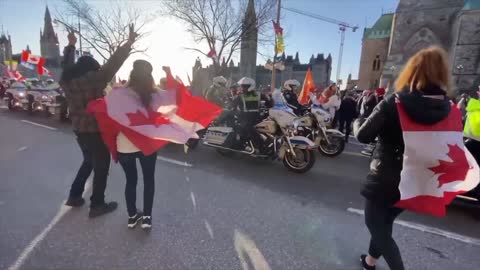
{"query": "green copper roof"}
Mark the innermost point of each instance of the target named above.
(381, 29)
(472, 4)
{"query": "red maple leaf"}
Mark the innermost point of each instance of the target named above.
(451, 171)
(153, 118)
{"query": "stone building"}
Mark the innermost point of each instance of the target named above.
(5, 48)
(202, 76)
(321, 70)
(249, 42)
(49, 46)
(417, 24)
(49, 49)
(375, 45)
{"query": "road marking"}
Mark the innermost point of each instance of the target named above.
(31, 246)
(194, 201)
(354, 154)
(37, 124)
(187, 179)
(209, 228)
(173, 161)
(427, 229)
(3, 107)
(246, 247)
(39, 238)
(23, 148)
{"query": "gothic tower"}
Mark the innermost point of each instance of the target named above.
(49, 46)
(248, 53)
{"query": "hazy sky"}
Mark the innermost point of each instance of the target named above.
(24, 18)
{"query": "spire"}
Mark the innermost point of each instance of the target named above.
(48, 32)
(297, 59)
(231, 64)
(250, 19)
(28, 49)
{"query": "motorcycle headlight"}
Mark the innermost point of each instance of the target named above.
(21, 94)
(44, 97)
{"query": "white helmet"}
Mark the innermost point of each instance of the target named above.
(220, 81)
(289, 84)
(245, 81)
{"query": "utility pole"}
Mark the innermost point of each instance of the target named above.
(79, 34)
(274, 70)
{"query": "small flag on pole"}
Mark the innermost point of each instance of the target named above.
(280, 48)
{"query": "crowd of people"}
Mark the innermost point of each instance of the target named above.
(423, 89)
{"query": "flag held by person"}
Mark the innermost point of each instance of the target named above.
(34, 60)
(436, 164)
(280, 45)
(308, 87)
(174, 116)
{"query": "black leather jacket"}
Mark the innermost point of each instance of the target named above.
(384, 123)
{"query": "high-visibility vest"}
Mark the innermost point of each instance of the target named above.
(472, 123)
(251, 102)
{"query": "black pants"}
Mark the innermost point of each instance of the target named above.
(345, 126)
(379, 220)
(96, 158)
(129, 165)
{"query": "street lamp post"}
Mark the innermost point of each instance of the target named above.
(457, 79)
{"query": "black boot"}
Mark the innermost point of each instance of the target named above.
(102, 209)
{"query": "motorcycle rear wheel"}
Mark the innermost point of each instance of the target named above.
(302, 162)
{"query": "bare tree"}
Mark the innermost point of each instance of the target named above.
(219, 23)
(103, 30)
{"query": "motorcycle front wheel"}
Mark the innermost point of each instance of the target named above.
(334, 148)
(301, 162)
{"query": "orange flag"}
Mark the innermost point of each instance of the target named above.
(308, 87)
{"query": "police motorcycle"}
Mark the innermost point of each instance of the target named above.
(276, 132)
(219, 87)
(16, 95)
(314, 123)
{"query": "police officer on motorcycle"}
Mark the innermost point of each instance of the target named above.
(289, 93)
(217, 93)
(248, 105)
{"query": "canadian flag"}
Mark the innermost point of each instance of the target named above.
(212, 54)
(46, 72)
(173, 116)
(436, 164)
(14, 74)
(33, 59)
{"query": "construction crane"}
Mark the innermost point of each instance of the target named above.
(343, 26)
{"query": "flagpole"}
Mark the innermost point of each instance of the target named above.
(274, 71)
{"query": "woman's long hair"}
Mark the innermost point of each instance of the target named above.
(141, 81)
(429, 66)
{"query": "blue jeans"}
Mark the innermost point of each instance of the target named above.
(128, 161)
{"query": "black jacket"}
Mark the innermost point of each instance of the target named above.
(348, 109)
(384, 177)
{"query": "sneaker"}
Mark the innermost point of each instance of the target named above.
(147, 222)
(102, 209)
(364, 263)
(132, 221)
(75, 202)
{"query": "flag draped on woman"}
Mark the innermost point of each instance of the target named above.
(174, 116)
(436, 164)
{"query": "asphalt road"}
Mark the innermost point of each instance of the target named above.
(210, 212)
